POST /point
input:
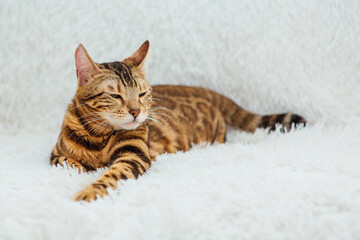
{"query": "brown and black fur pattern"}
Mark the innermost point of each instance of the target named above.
(117, 120)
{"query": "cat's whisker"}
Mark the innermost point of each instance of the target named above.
(162, 114)
(159, 120)
(87, 115)
(101, 123)
(161, 108)
(170, 115)
(78, 106)
(98, 129)
(86, 123)
(157, 99)
(151, 123)
(94, 120)
(156, 121)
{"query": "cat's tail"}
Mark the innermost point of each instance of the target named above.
(237, 117)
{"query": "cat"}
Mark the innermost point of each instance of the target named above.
(117, 120)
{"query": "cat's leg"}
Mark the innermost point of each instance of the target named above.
(127, 162)
(63, 161)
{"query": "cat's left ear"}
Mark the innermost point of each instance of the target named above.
(138, 58)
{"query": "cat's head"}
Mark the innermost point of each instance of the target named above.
(116, 93)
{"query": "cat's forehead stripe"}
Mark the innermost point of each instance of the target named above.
(123, 71)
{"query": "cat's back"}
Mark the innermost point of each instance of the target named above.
(179, 91)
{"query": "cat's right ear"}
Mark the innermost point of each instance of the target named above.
(85, 66)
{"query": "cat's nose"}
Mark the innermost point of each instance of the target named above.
(134, 112)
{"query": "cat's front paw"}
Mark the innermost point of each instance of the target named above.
(90, 193)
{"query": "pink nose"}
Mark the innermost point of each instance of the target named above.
(134, 112)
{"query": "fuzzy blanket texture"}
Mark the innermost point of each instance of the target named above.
(301, 56)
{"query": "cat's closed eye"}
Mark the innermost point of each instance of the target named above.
(142, 94)
(116, 96)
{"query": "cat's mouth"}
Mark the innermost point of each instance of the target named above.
(128, 124)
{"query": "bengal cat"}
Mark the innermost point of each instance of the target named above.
(117, 120)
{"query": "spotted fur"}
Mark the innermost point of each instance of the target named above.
(117, 120)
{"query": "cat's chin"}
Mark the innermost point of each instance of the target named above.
(128, 126)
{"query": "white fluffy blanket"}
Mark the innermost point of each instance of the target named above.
(301, 56)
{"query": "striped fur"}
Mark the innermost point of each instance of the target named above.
(117, 120)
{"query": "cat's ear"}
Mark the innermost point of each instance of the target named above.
(86, 68)
(138, 58)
